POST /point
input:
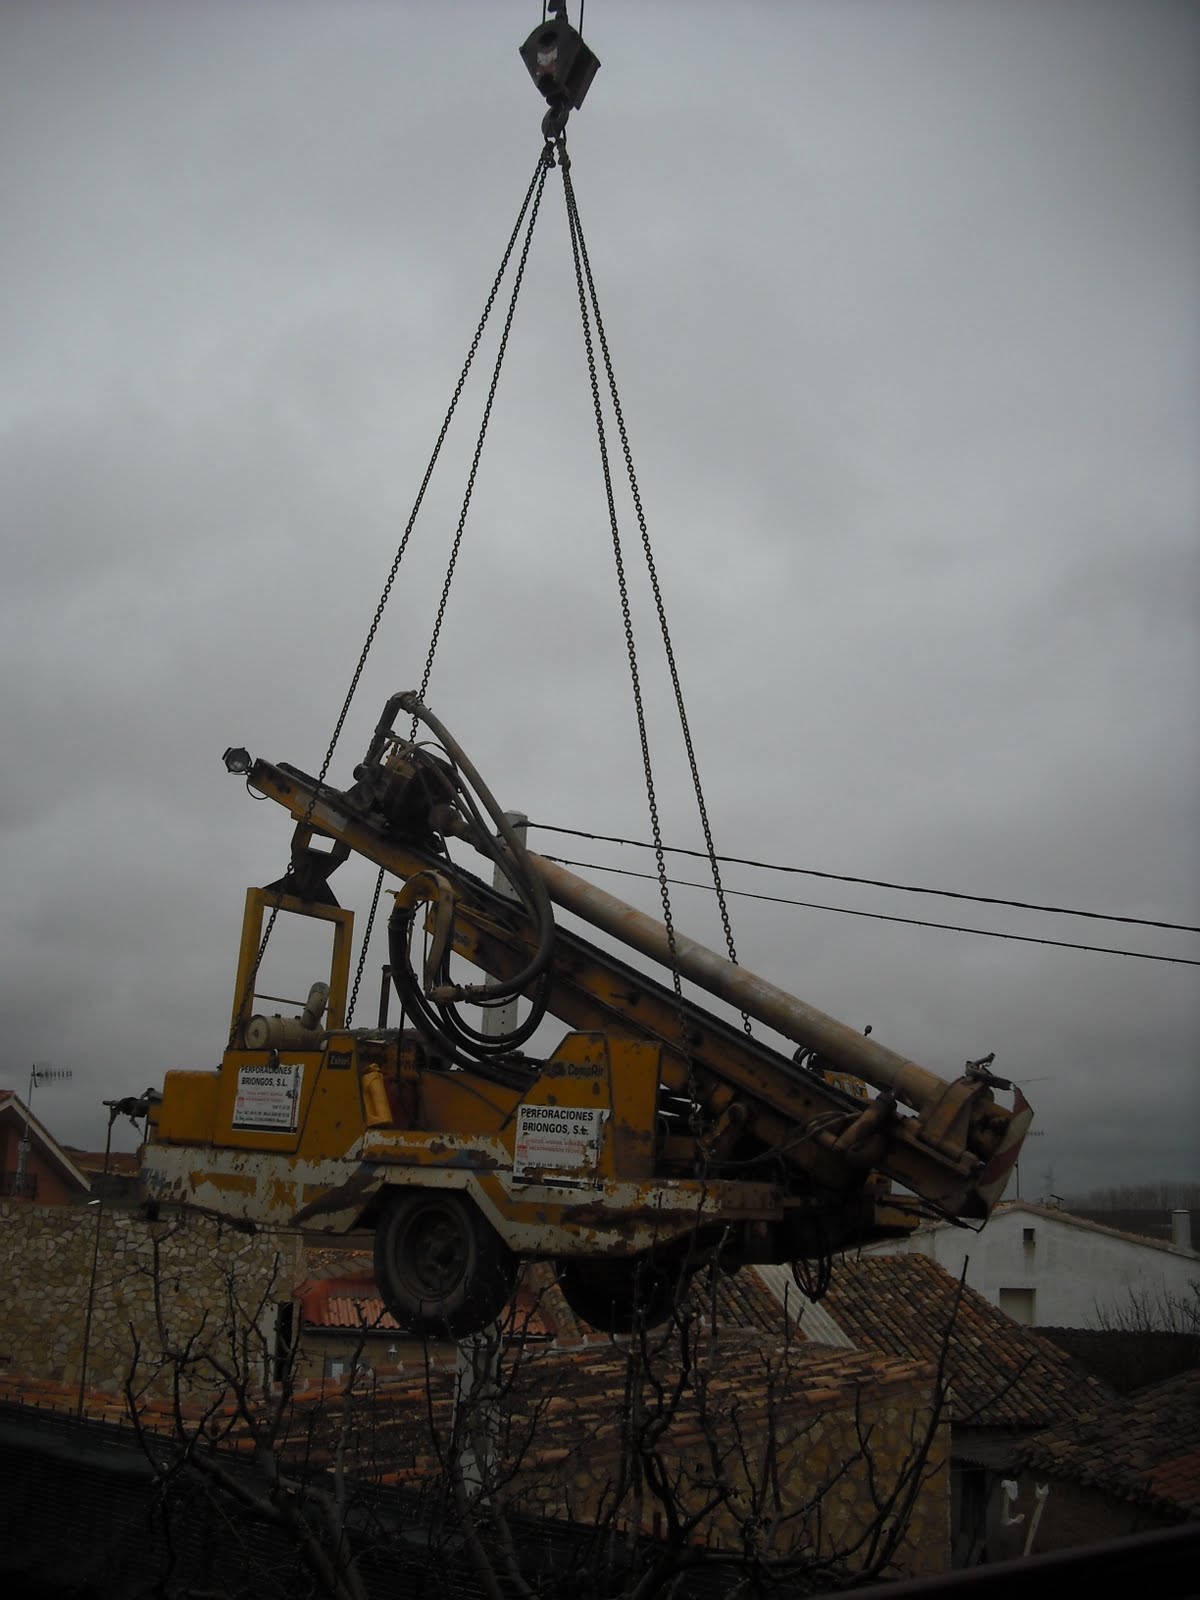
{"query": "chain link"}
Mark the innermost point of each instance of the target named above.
(583, 270)
(622, 582)
(362, 951)
(483, 426)
(536, 189)
(530, 206)
(536, 184)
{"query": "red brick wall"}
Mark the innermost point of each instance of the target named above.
(51, 1189)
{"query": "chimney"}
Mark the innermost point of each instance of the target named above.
(1181, 1229)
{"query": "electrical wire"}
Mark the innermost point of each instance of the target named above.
(872, 883)
(883, 916)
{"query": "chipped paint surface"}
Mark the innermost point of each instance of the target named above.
(254, 1186)
(533, 1218)
(281, 1194)
(417, 1148)
(227, 1182)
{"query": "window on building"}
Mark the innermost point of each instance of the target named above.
(1018, 1304)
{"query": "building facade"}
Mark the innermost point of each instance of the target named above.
(1044, 1267)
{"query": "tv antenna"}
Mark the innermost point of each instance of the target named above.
(40, 1072)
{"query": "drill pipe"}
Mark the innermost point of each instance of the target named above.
(834, 1042)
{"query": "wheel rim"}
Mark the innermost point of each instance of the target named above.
(433, 1252)
(441, 1269)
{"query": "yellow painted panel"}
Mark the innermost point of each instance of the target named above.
(463, 1103)
(635, 1073)
(186, 1113)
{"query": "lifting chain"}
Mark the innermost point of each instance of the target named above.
(532, 196)
(554, 152)
(536, 188)
(583, 271)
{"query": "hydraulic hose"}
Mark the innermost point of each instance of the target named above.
(440, 1024)
(434, 1010)
(516, 865)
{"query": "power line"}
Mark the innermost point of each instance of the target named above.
(875, 883)
(882, 916)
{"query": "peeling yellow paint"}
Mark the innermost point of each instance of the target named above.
(230, 1182)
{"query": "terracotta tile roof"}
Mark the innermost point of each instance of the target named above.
(572, 1399)
(590, 1378)
(1000, 1374)
(743, 1300)
(1144, 1449)
(349, 1304)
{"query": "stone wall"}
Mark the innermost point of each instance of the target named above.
(811, 1478)
(157, 1285)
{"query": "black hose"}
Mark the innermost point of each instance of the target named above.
(447, 1033)
(444, 1028)
(515, 865)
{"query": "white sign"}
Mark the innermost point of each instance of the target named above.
(565, 1138)
(268, 1098)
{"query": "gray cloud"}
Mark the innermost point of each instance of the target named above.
(902, 302)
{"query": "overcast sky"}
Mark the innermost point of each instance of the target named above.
(903, 304)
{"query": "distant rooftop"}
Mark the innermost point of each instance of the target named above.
(1144, 1449)
(1001, 1374)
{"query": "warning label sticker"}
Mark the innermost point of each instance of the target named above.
(563, 1138)
(268, 1098)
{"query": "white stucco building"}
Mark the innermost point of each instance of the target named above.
(1044, 1266)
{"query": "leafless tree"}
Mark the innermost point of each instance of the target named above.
(686, 1473)
(234, 1442)
(1154, 1309)
(683, 1453)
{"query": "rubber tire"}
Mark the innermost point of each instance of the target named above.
(615, 1297)
(442, 1270)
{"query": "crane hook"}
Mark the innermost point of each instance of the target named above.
(562, 66)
